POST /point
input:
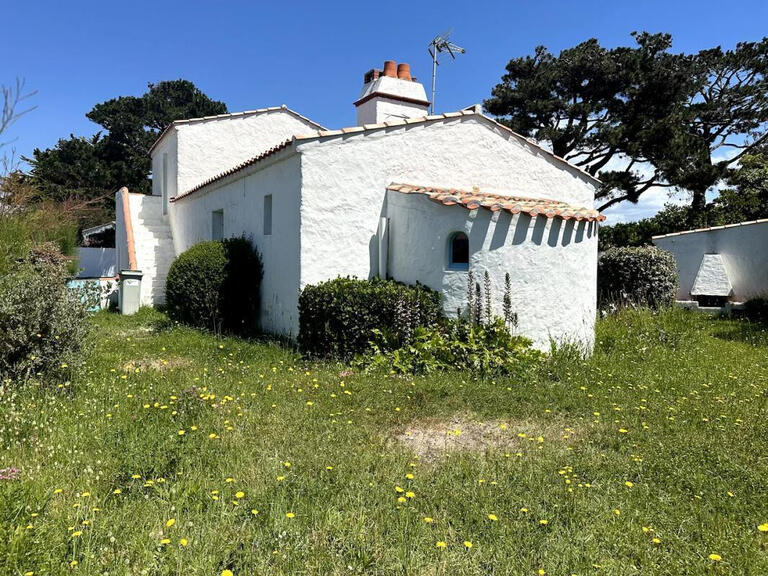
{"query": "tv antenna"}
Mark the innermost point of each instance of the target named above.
(441, 43)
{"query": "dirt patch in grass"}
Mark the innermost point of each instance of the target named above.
(431, 438)
(157, 364)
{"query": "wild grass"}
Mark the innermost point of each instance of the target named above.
(173, 452)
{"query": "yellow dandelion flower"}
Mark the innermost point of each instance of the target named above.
(428, 520)
(240, 495)
(543, 522)
(77, 533)
(254, 511)
(57, 491)
(290, 515)
(226, 572)
(628, 484)
(715, 557)
(183, 542)
(763, 527)
(467, 544)
(165, 541)
(441, 544)
(410, 495)
(656, 541)
(410, 476)
(170, 522)
(287, 464)
(117, 491)
(493, 517)
(398, 489)
(401, 499)
(181, 432)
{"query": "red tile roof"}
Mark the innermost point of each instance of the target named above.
(515, 204)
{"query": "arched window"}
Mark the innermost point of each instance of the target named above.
(458, 251)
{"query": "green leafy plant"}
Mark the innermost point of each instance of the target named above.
(641, 276)
(337, 317)
(43, 324)
(485, 349)
(215, 285)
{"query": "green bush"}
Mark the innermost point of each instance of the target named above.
(486, 349)
(43, 324)
(641, 276)
(22, 230)
(337, 317)
(756, 309)
(216, 286)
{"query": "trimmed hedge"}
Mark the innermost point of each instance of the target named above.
(337, 318)
(643, 276)
(215, 286)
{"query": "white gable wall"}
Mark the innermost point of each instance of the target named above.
(242, 203)
(201, 149)
(343, 197)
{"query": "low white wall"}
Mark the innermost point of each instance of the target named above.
(552, 263)
(744, 250)
(242, 202)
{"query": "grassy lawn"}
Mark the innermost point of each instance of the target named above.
(173, 452)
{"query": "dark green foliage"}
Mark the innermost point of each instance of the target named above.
(90, 170)
(671, 218)
(216, 286)
(642, 276)
(746, 198)
(671, 111)
(485, 349)
(43, 324)
(337, 318)
(756, 309)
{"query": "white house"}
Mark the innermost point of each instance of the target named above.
(401, 195)
(721, 263)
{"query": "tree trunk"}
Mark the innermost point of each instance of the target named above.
(698, 215)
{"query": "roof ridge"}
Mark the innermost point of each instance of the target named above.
(231, 115)
(708, 228)
(325, 133)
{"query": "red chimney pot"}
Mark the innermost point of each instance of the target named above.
(404, 72)
(390, 68)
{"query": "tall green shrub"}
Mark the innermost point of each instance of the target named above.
(216, 286)
(643, 276)
(43, 324)
(337, 318)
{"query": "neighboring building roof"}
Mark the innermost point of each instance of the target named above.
(98, 229)
(748, 223)
(325, 134)
(231, 115)
(473, 199)
(712, 278)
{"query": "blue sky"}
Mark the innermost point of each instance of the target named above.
(311, 55)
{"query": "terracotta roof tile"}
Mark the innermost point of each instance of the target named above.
(474, 199)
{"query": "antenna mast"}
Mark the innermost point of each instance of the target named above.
(441, 43)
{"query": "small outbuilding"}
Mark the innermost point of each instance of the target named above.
(720, 264)
(402, 195)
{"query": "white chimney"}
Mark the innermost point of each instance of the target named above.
(390, 94)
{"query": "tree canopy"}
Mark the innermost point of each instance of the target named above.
(641, 116)
(89, 170)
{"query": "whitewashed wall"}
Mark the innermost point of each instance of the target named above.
(343, 196)
(744, 249)
(552, 263)
(202, 149)
(242, 202)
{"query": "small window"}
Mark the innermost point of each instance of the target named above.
(268, 215)
(217, 225)
(164, 183)
(458, 251)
